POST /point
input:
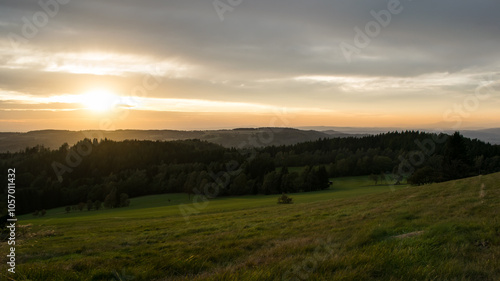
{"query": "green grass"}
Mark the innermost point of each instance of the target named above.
(168, 204)
(347, 233)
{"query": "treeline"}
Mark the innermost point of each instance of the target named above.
(106, 171)
(423, 157)
(103, 170)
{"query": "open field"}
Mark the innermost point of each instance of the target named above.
(168, 204)
(355, 231)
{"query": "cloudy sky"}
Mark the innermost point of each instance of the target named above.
(178, 64)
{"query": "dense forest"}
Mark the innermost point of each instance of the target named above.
(443, 156)
(97, 170)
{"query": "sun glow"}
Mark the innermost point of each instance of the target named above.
(99, 100)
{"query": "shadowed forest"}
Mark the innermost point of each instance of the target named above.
(107, 171)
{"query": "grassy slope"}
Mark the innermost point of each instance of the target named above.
(344, 234)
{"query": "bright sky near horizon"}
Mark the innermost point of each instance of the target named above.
(123, 64)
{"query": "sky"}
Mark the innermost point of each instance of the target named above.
(205, 64)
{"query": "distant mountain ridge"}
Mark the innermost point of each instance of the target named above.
(487, 135)
(239, 137)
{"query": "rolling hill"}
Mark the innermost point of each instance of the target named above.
(255, 137)
(354, 231)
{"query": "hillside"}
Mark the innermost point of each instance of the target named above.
(488, 135)
(255, 137)
(445, 231)
(104, 170)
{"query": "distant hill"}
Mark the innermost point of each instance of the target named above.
(254, 137)
(241, 137)
(487, 135)
(361, 131)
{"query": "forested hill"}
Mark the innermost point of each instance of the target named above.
(445, 157)
(95, 170)
(395, 141)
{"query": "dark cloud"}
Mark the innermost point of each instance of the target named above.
(270, 39)
(266, 34)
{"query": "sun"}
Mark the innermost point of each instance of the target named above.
(99, 100)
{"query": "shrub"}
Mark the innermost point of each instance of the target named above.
(422, 176)
(284, 199)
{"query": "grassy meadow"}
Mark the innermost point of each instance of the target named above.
(354, 231)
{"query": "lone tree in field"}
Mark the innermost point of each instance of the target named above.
(422, 176)
(124, 201)
(111, 201)
(284, 199)
(382, 177)
(97, 205)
